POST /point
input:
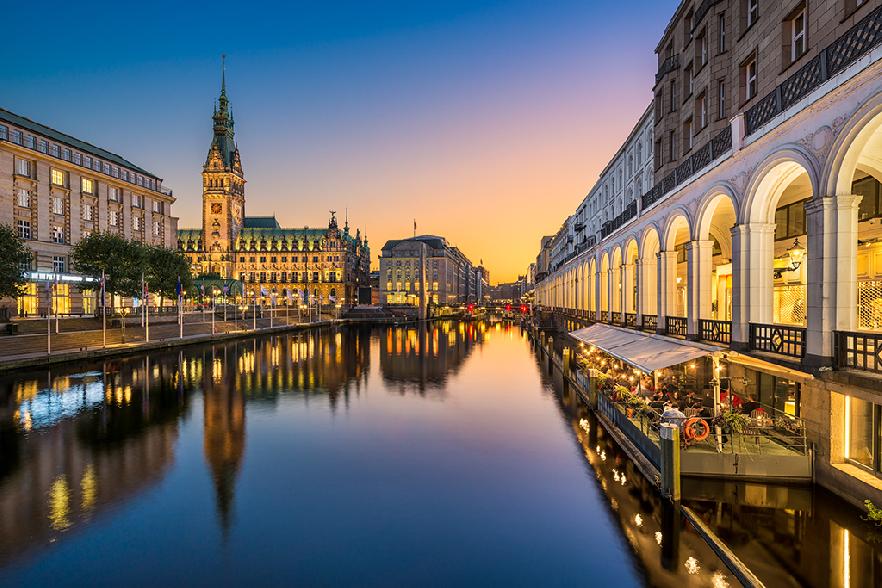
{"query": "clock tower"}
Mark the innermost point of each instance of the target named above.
(223, 191)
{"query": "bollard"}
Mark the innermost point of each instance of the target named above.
(565, 360)
(669, 437)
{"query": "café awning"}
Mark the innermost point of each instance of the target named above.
(644, 351)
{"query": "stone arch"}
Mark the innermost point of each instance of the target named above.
(778, 191)
(616, 290)
(849, 151)
(677, 224)
(630, 279)
(604, 282)
(712, 248)
(771, 178)
(852, 178)
(650, 246)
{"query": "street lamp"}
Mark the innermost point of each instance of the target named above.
(795, 254)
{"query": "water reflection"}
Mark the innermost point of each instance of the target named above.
(75, 440)
(788, 535)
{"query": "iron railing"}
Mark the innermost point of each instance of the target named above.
(650, 323)
(781, 339)
(858, 350)
(675, 326)
(631, 319)
(715, 331)
(617, 318)
(851, 46)
(668, 65)
(611, 225)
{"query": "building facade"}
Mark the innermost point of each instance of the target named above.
(449, 275)
(326, 264)
(765, 238)
(55, 190)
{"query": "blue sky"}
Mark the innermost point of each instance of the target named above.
(485, 121)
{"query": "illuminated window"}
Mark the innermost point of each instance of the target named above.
(58, 177)
(60, 299)
(87, 186)
(749, 74)
(88, 301)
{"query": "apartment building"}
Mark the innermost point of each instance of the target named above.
(762, 232)
(55, 190)
(449, 275)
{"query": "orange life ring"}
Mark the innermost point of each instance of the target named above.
(696, 429)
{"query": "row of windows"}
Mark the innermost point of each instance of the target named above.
(283, 277)
(294, 259)
(88, 186)
(66, 154)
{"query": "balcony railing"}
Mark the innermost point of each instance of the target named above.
(851, 46)
(617, 318)
(715, 331)
(609, 226)
(675, 326)
(858, 350)
(780, 339)
(699, 159)
(668, 65)
(631, 320)
(650, 323)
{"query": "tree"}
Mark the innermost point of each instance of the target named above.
(163, 267)
(14, 258)
(119, 259)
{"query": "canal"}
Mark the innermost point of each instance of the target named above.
(369, 456)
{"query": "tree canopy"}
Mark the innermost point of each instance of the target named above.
(14, 259)
(126, 261)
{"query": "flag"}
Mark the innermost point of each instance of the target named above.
(146, 293)
(263, 291)
(273, 298)
(202, 289)
(226, 289)
(179, 289)
(289, 296)
(103, 288)
(414, 227)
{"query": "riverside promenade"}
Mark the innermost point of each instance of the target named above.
(84, 338)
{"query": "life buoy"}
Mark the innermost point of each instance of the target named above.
(696, 429)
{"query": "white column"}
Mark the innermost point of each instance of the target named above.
(739, 287)
(760, 272)
(597, 281)
(831, 285)
(610, 293)
(626, 285)
(699, 264)
(667, 286)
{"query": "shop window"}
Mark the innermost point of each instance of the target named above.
(863, 433)
(871, 203)
(27, 301)
(790, 220)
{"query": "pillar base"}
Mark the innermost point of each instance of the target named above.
(741, 346)
(812, 361)
(692, 337)
(660, 331)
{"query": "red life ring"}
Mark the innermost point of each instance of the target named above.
(696, 429)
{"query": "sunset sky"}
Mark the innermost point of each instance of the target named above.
(485, 121)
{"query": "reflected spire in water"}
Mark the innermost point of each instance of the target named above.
(223, 436)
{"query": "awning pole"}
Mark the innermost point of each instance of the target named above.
(716, 383)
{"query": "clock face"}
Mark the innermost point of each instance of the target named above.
(216, 207)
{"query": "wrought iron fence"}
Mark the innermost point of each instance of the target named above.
(630, 319)
(858, 350)
(675, 325)
(780, 339)
(650, 323)
(715, 331)
(617, 318)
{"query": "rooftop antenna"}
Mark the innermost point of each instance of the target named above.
(223, 73)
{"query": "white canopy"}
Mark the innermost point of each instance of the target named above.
(644, 351)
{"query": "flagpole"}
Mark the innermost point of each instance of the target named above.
(142, 299)
(49, 325)
(56, 303)
(103, 312)
(272, 308)
(146, 313)
(254, 314)
(212, 310)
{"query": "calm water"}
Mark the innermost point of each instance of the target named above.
(448, 456)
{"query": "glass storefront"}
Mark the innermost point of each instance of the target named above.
(863, 433)
(771, 392)
(27, 302)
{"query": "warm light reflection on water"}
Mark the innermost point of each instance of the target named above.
(447, 455)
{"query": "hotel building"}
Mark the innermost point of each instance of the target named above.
(55, 190)
(449, 275)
